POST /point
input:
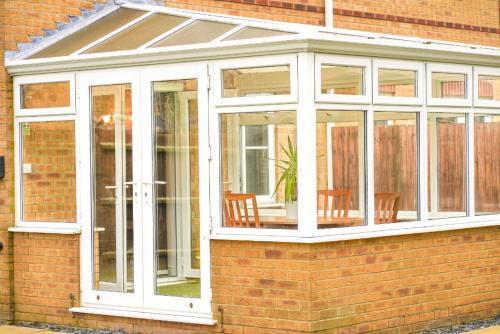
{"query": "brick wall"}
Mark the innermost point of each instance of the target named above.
(401, 284)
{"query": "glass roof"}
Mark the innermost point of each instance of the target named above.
(137, 28)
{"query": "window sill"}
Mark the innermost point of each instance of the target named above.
(348, 233)
(145, 315)
(47, 230)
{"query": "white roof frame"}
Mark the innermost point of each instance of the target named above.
(300, 38)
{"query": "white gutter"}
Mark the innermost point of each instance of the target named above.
(329, 13)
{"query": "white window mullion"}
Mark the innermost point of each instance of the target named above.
(422, 167)
(471, 209)
(306, 146)
(370, 167)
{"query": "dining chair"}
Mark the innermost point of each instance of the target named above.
(236, 210)
(334, 201)
(386, 207)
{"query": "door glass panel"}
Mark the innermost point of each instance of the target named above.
(176, 188)
(113, 187)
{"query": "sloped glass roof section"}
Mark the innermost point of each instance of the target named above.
(197, 32)
(135, 28)
(252, 32)
(90, 33)
(139, 33)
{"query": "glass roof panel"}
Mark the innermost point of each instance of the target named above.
(199, 31)
(89, 34)
(252, 32)
(138, 34)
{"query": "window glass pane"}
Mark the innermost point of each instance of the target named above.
(342, 80)
(487, 163)
(401, 83)
(256, 81)
(395, 160)
(197, 32)
(489, 87)
(448, 85)
(48, 171)
(45, 95)
(447, 156)
(113, 188)
(139, 33)
(262, 179)
(252, 32)
(176, 188)
(340, 168)
(90, 33)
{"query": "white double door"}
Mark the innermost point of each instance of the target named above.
(143, 140)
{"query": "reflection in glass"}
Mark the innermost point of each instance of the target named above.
(45, 95)
(257, 151)
(487, 163)
(48, 171)
(449, 85)
(400, 83)
(447, 165)
(396, 172)
(176, 188)
(342, 80)
(254, 81)
(112, 188)
(489, 87)
(340, 168)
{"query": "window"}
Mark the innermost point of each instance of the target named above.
(48, 171)
(487, 86)
(487, 163)
(343, 79)
(396, 168)
(449, 85)
(340, 168)
(447, 161)
(254, 169)
(254, 81)
(398, 82)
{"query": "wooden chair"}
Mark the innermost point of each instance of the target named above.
(386, 207)
(337, 201)
(236, 210)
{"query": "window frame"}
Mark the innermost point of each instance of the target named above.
(40, 79)
(251, 62)
(478, 71)
(451, 69)
(405, 65)
(354, 61)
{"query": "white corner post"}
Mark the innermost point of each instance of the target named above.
(306, 146)
(329, 13)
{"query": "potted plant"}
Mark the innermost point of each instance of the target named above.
(289, 179)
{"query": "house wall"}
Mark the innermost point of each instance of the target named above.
(415, 281)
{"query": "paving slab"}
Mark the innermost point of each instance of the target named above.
(490, 330)
(18, 330)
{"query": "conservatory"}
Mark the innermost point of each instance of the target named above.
(152, 131)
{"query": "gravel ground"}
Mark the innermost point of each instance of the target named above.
(464, 328)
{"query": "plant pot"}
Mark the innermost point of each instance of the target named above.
(292, 210)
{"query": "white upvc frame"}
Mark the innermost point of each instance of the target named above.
(194, 307)
(478, 71)
(289, 60)
(363, 62)
(89, 296)
(452, 69)
(58, 227)
(40, 79)
(404, 65)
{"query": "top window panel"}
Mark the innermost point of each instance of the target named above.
(449, 85)
(252, 32)
(139, 33)
(89, 34)
(487, 86)
(343, 79)
(197, 32)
